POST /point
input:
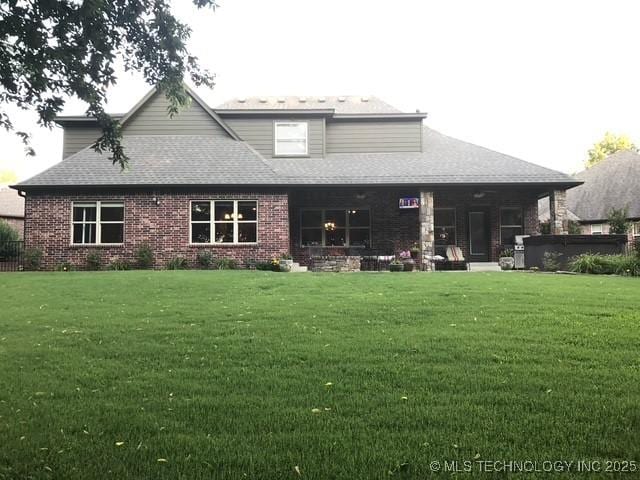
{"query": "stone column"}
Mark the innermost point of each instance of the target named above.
(426, 229)
(558, 212)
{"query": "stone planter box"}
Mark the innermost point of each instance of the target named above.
(396, 267)
(335, 263)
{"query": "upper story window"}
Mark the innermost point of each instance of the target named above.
(511, 224)
(224, 221)
(597, 229)
(98, 223)
(636, 229)
(291, 138)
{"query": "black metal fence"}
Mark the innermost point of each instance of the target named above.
(11, 256)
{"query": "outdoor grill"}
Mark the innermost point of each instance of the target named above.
(518, 251)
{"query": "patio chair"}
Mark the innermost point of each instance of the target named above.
(455, 258)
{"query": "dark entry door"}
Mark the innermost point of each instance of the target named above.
(479, 235)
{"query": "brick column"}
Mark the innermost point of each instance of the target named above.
(558, 212)
(426, 229)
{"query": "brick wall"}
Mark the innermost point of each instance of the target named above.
(165, 227)
(16, 223)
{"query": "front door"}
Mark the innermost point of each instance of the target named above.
(479, 235)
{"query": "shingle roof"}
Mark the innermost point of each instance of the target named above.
(163, 160)
(612, 183)
(11, 204)
(445, 160)
(544, 214)
(345, 104)
(206, 160)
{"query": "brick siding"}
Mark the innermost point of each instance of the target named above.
(165, 227)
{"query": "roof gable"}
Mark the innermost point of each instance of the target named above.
(150, 116)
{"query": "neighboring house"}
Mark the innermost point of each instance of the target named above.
(12, 208)
(612, 183)
(258, 177)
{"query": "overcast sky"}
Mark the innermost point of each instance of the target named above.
(541, 80)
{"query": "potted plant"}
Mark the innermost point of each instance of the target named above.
(407, 260)
(506, 260)
(415, 250)
(396, 265)
(286, 262)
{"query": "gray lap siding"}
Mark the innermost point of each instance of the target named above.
(165, 227)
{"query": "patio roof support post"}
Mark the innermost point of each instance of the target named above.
(427, 240)
(558, 212)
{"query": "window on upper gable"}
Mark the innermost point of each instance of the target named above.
(291, 138)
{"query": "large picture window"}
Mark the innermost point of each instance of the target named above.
(335, 228)
(224, 221)
(444, 222)
(510, 224)
(98, 223)
(291, 138)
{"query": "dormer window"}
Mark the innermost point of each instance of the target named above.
(291, 138)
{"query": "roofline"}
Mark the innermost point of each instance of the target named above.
(10, 215)
(146, 186)
(276, 111)
(416, 115)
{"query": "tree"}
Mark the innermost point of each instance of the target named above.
(609, 145)
(53, 49)
(618, 220)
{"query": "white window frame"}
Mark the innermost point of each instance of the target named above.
(636, 229)
(98, 204)
(521, 225)
(276, 139)
(347, 227)
(212, 222)
(598, 232)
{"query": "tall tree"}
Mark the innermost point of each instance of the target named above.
(53, 49)
(609, 145)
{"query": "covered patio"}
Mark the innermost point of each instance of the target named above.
(375, 224)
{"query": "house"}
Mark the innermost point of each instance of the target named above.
(257, 177)
(12, 209)
(612, 183)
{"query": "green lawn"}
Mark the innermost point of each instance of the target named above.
(265, 375)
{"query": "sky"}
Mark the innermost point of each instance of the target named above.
(541, 80)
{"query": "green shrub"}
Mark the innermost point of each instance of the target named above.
(65, 267)
(94, 261)
(551, 261)
(574, 227)
(617, 219)
(606, 264)
(144, 256)
(251, 263)
(32, 258)
(226, 264)
(177, 263)
(8, 234)
(635, 248)
(205, 258)
(264, 266)
(118, 264)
